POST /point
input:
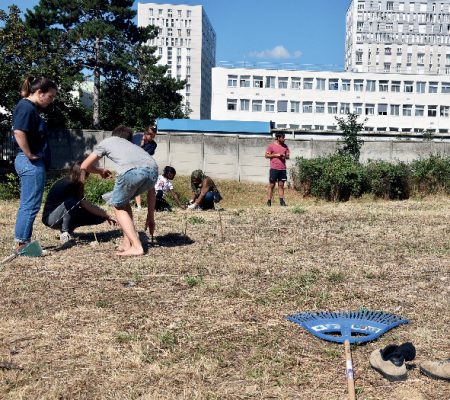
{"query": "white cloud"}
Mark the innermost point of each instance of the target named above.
(278, 52)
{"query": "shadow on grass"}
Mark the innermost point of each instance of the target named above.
(169, 240)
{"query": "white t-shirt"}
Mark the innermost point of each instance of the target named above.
(163, 184)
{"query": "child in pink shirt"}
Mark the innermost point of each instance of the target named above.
(278, 153)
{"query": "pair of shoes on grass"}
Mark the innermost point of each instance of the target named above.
(391, 363)
(282, 203)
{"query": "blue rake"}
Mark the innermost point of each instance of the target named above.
(347, 327)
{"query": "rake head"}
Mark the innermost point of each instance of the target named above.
(354, 326)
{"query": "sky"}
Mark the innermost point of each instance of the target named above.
(301, 32)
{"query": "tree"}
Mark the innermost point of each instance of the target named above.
(21, 53)
(350, 128)
(101, 38)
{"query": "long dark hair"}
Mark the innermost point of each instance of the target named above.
(77, 176)
(32, 84)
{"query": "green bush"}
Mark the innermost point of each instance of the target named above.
(10, 187)
(335, 177)
(431, 175)
(95, 187)
(389, 181)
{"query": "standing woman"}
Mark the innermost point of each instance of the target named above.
(33, 152)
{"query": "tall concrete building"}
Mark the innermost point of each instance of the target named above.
(186, 42)
(400, 36)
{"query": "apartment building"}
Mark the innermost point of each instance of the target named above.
(399, 36)
(186, 42)
(312, 99)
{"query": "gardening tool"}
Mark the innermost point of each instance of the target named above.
(33, 248)
(347, 327)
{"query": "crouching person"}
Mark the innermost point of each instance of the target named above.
(136, 173)
(204, 191)
(66, 208)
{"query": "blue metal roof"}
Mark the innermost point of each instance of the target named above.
(207, 125)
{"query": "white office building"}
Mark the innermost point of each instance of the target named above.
(399, 36)
(311, 100)
(187, 44)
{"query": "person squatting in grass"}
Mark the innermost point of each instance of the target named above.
(204, 191)
(149, 145)
(32, 151)
(66, 208)
(136, 173)
(164, 185)
(278, 153)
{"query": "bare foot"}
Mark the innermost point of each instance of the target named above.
(123, 247)
(132, 251)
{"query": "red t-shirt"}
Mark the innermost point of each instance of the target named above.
(277, 163)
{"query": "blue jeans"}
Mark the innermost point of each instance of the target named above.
(207, 202)
(32, 181)
(132, 183)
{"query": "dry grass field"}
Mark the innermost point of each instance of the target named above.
(202, 314)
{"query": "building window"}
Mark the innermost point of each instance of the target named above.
(408, 88)
(395, 109)
(432, 111)
(188, 13)
(345, 108)
(160, 12)
(420, 111)
(433, 87)
(390, 6)
(383, 86)
(282, 105)
(295, 106)
(320, 84)
(270, 106)
(358, 85)
(357, 108)
(382, 109)
(270, 82)
(346, 85)
(420, 87)
(307, 83)
(420, 58)
(150, 12)
(231, 104)
(370, 86)
(258, 82)
(370, 109)
(307, 107)
(387, 67)
(232, 80)
(257, 105)
(407, 110)
(282, 83)
(445, 87)
(395, 86)
(320, 108)
(444, 111)
(245, 105)
(295, 83)
(332, 108)
(333, 84)
(244, 81)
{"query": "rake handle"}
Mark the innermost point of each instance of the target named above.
(349, 371)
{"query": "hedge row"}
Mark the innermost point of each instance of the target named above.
(338, 177)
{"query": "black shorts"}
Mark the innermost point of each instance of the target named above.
(277, 175)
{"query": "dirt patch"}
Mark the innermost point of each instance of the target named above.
(202, 314)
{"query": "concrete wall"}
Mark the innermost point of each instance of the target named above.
(238, 157)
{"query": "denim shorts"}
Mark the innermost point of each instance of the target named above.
(132, 183)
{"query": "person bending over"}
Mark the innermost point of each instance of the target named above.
(66, 208)
(136, 173)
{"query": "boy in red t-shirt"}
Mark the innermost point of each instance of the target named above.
(278, 153)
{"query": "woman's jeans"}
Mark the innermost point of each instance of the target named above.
(70, 215)
(32, 181)
(207, 202)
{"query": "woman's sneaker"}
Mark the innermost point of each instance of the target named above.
(65, 237)
(436, 369)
